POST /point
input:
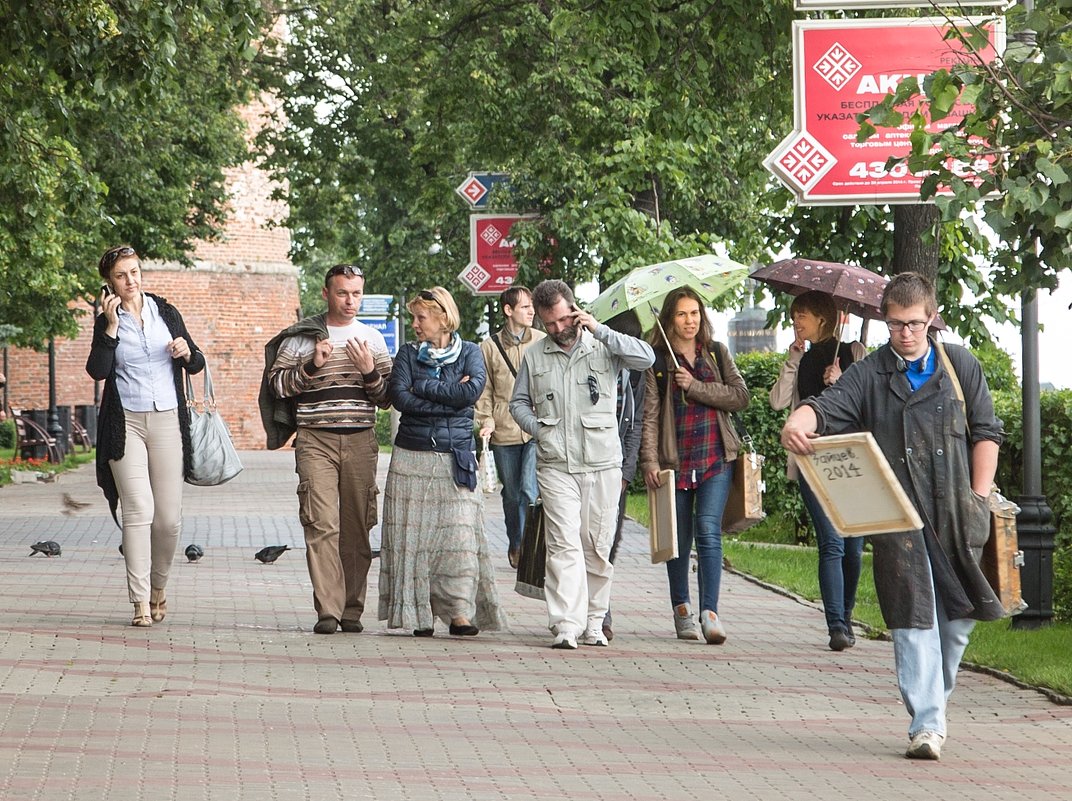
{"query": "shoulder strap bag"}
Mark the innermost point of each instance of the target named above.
(498, 343)
(744, 506)
(215, 460)
(1002, 557)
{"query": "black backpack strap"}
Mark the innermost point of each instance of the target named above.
(502, 350)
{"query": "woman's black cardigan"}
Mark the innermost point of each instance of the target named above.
(111, 421)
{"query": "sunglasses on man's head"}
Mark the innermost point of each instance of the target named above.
(344, 269)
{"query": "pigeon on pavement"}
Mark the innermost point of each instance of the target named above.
(71, 506)
(47, 547)
(269, 554)
(194, 552)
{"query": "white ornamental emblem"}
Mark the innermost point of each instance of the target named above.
(476, 276)
(837, 66)
(805, 161)
(491, 235)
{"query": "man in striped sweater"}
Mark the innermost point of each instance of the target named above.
(324, 378)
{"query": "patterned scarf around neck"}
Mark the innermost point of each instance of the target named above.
(435, 358)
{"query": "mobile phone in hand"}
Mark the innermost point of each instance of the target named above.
(106, 290)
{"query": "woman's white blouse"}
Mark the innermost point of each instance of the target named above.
(143, 371)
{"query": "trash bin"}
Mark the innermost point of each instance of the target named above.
(40, 416)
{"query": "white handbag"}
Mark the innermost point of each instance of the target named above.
(215, 460)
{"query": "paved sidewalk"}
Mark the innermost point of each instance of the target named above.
(233, 697)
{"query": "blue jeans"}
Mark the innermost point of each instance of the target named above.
(927, 661)
(516, 466)
(839, 564)
(699, 517)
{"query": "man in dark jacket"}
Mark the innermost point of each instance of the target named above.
(324, 378)
(944, 453)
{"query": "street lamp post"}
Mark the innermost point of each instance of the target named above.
(54, 427)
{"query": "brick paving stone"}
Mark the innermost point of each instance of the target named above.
(233, 697)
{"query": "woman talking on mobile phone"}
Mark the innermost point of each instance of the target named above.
(809, 370)
(140, 348)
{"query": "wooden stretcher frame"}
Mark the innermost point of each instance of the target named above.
(663, 512)
(857, 487)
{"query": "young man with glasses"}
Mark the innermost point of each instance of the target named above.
(944, 452)
(324, 377)
(565, 398)
(515, 451)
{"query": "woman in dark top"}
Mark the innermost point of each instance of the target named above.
(807, 372)
(434, 557)
(140, 348)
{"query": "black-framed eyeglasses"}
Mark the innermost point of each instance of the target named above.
(593, 389)
(897, 326)
(425, 294)
(348, 270)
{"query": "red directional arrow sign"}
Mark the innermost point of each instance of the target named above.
(492, 267)
(843, 67)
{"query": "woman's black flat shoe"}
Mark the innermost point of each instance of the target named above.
(467, 630)
(424, 632)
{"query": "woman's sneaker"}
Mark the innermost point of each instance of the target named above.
(684, 624)
(713, 630)
(841, 639)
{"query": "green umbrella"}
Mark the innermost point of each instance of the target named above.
(643, 290)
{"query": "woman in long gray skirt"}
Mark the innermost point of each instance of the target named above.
(434, 557)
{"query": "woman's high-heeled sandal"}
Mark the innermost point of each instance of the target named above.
(141, 616)
(157, 605)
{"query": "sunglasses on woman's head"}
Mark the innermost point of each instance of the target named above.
(113, 255)
(424, 294)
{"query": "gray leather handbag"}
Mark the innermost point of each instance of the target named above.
(215, 460)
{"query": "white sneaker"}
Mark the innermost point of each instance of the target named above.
(684, 625)
(565, 641)
(925, 745)
(713, 630)
(594, 636)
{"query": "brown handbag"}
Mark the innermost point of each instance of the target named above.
(744, 506)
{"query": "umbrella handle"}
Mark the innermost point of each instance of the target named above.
(666, 339)
(837, 336)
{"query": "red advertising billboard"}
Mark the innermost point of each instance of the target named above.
(492, 267)
(842, 68)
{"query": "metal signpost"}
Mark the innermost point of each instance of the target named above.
(492, 267)
(844, 67)
(476, 188)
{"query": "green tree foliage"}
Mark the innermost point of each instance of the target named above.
(1021, 124)
(118, 119)
(635, 130)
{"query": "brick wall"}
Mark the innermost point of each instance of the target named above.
(230, 313)
(240, 292)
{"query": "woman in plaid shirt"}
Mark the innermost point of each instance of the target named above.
(687, 428)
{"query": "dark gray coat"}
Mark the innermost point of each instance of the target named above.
(925, 436)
